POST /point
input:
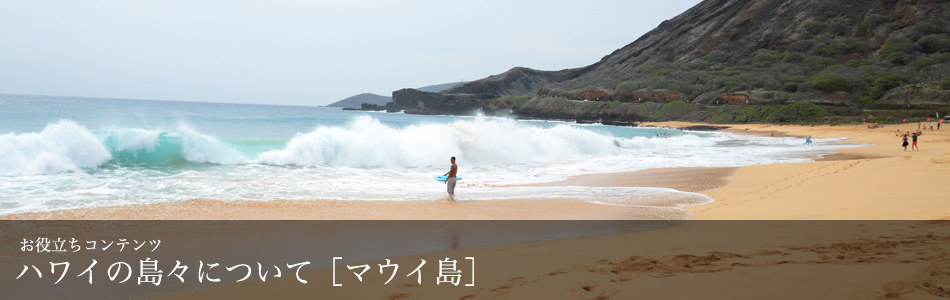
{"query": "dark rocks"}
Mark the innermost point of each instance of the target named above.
(372, 107)
(428, 103)
(704, 128)
(582, 112)
(355, 101)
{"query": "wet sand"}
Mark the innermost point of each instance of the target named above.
(202, 209)
(684, 179)
(878, 182)
(701, 259)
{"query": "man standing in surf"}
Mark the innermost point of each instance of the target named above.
(450, 181)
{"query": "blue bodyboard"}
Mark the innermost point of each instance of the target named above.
(444, 177)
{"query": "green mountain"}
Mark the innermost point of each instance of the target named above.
(887, 52)
(750, 61)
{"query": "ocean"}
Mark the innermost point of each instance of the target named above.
(66, 152)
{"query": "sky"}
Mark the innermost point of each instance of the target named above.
(298, 52)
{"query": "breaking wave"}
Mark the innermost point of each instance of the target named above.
(363, 142)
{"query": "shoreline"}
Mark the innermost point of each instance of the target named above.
(736, 191)
(879, 181)
(685, 179)
(682, 179)
(741, 259)
(760, 256)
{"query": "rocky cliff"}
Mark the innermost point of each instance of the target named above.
(864, 48)
(750, 61)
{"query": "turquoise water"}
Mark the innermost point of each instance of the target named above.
(63, 152)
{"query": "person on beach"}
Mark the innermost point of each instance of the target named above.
(904, 143)
(914, 144)
(450, 181)
(773, 133)
(807, 141)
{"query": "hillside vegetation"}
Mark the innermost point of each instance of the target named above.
(736, 61)
(881, 53)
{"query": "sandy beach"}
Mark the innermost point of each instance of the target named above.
(595, 150)
(878, 182)
(703, 259)
(743, 260)
(904, 258)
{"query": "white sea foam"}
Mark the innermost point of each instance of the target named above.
(61, 147)
(365, 142)
(68, 166)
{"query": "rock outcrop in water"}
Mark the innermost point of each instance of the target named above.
(427, 103)
(365, 98)
(377, 102)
